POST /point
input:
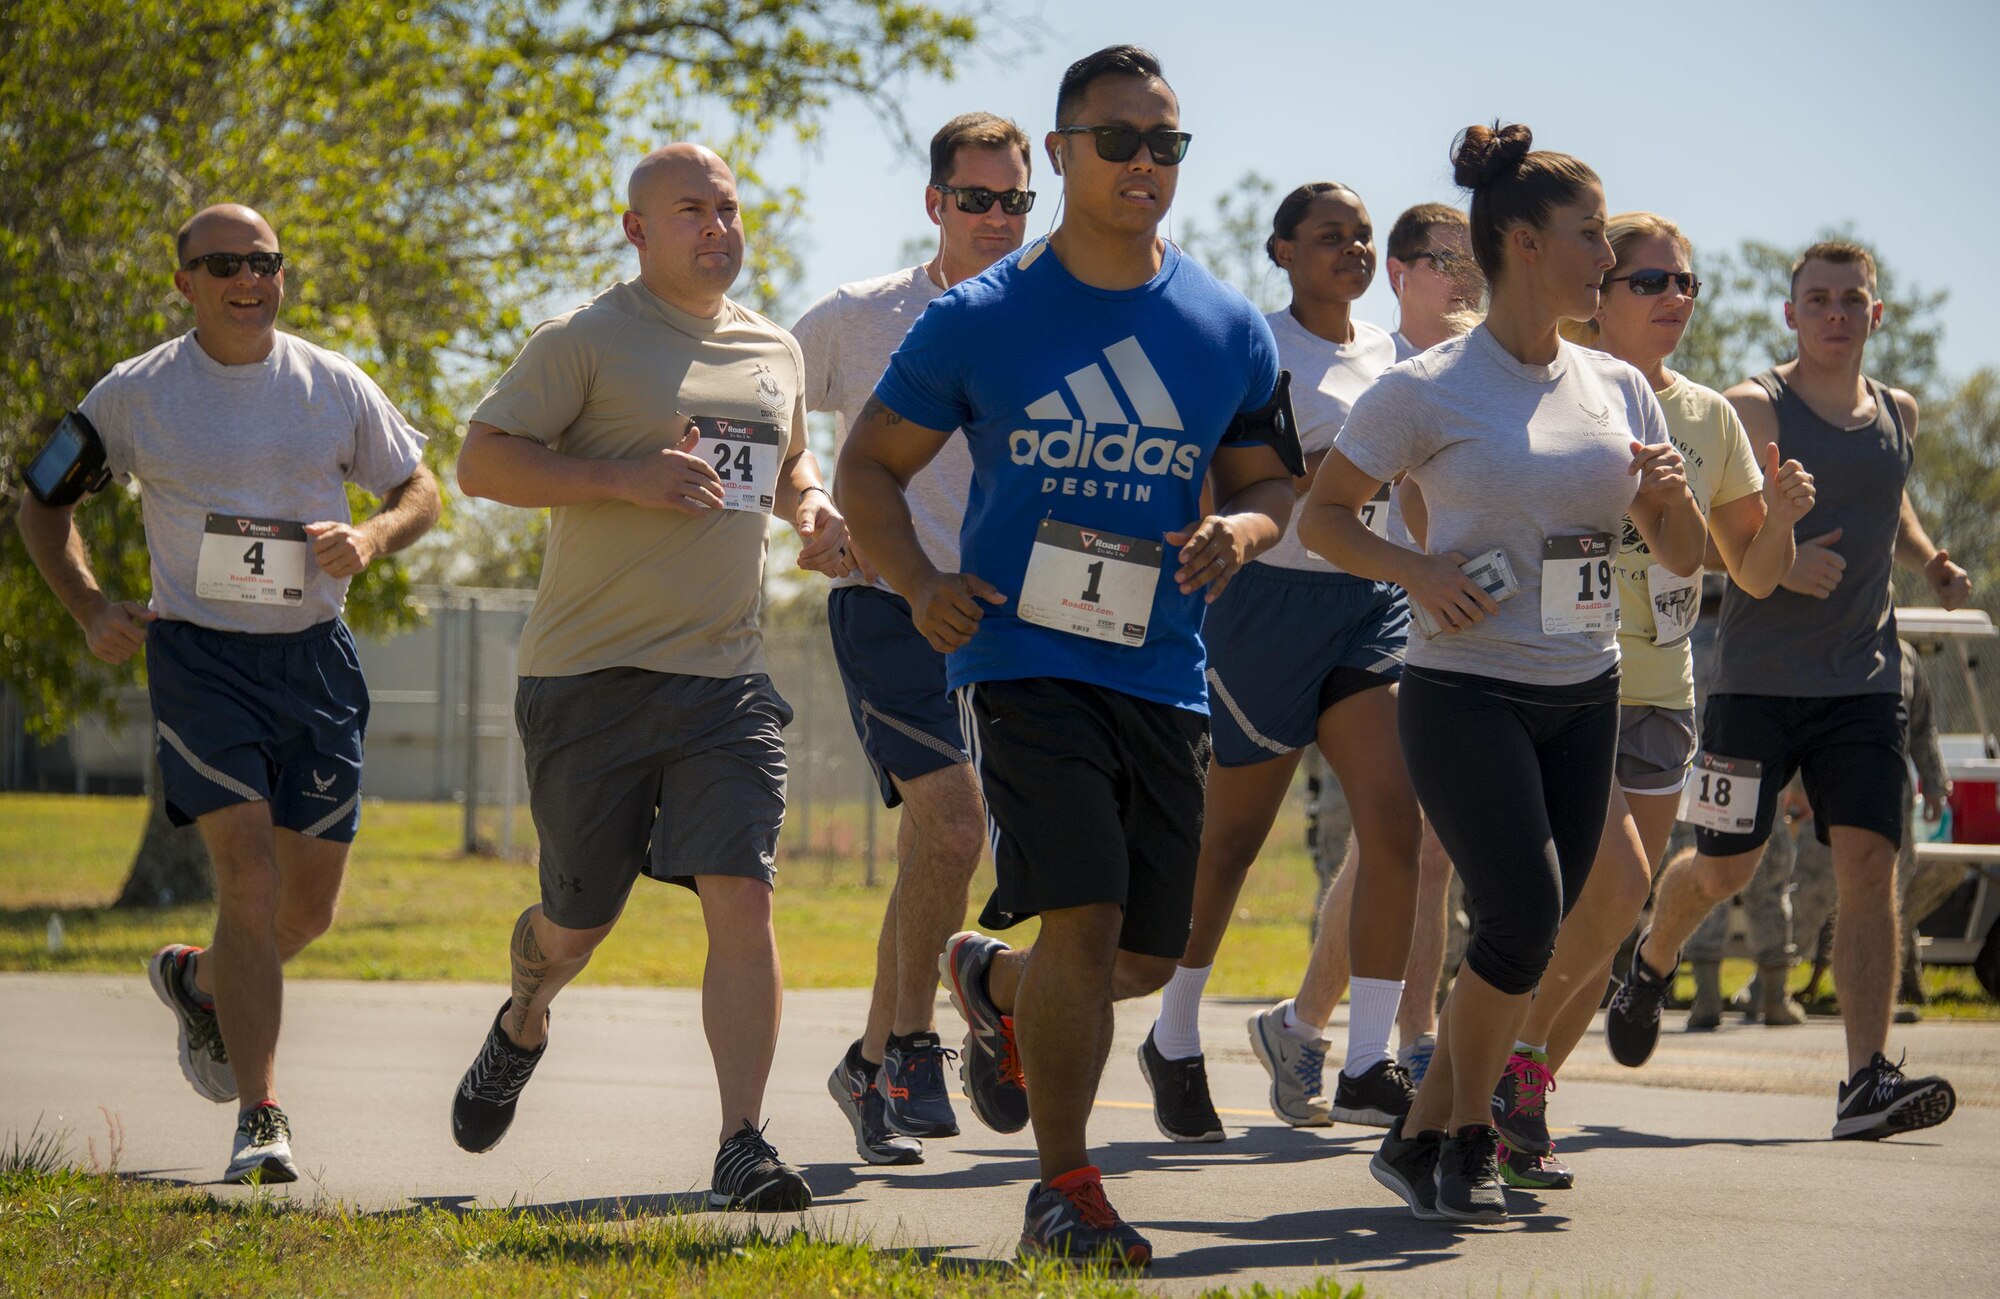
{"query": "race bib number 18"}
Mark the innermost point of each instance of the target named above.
(1721, 794)
(254, 561)
(1088, 583)
(1578, 593)
(745, 454)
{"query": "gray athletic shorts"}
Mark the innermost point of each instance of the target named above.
(1655, 748)
(633, 772)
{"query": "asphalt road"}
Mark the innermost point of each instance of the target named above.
(1682, 1188)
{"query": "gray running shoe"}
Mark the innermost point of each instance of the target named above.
(1468, 1176)
(204, 1059)
(262, 1153)
(1408, 1166)
(1416, 1057)
(990, 1066)
(1297, 1069)
(861, 1101)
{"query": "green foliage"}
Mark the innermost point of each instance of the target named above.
(1233, 247)
(441, 173)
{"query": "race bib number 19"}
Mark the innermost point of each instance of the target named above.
(1088, 583)
(1721, 794)
(745, 454)
(254, 561)
(1578, 593)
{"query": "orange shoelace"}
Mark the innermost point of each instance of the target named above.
(1086, 1196)
(1010, 1057)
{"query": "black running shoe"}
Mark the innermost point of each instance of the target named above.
(262, 1152)
(1070, 1220)
(1408, 1166)
(991, 1066)
(915, 1102)
(1520, 1102)
(1632, 1023)
(856, 1094)
(1181, 1108)
(1878, 1101)
(1468, 1176)
(750, 1176)
(1381, 1095)
(483, 1106)
(1534, 1172)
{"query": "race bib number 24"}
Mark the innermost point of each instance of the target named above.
(745, 454)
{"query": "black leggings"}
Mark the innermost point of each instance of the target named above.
(1515, 779)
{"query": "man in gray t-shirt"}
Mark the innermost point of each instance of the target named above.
(891, 1081)
(244, 440)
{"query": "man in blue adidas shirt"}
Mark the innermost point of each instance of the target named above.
(1099, 377)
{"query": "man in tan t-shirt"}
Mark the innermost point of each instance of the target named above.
(662, 424)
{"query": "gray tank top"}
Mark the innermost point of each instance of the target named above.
(1801, 647)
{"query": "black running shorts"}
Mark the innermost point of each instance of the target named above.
(1848, 750)
(1092, 795)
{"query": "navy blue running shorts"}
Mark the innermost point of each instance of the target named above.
(245, 717)
(896, 691)
(1285, 645)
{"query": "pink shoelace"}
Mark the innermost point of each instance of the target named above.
(1532, 1084)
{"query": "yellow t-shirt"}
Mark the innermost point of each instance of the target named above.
(624, 586)
(1657, 612)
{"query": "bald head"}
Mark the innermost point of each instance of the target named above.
(668, 172)
(224, 228)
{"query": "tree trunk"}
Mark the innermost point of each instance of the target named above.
(172, 863)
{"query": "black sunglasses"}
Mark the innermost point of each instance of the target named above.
(977, 198)
(223, 266)
(1649, 284)
(1121, 143)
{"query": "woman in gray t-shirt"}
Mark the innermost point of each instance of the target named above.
(1530, 451)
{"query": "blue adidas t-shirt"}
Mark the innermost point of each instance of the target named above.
(1052, 380)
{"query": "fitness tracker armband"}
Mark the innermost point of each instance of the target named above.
(70, 465)
(1274, 425)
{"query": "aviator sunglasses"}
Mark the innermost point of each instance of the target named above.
(224, 266)
(1121, 143)
(1650, 284)
(977, 198)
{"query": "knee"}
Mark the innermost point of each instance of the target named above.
(1724, 877)
(562, 946)
(299, 924)
(246, 890)
(961, 839)
(1511, 949)
(1629, 885)
(1136, 975)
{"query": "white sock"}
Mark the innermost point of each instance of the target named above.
(1371, 1016)
(1177, 1032)
(1297, 1028)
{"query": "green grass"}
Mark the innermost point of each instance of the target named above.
(72, 1233)
(416, 908)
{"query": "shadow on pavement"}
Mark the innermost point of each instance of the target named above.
(609, 1208)
(1386, 1237)
(1596, 1136)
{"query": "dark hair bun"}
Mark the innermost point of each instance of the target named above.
(1482, 154)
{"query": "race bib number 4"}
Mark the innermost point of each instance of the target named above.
(745, 454)
(1676, 604)
(255, 561)
(1088, 583)
(1721, 794)
(1578, 593)
(1375, 511)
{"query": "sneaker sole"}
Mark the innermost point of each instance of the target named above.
(1363, 1118)
(883, 1159)
(157, 976)
(1513, 1141)
(1262, 1050)
(1521, 1182)
(1027, 1251)
(1387, 1176)
(1478, 1217)
(1185, 1138)
(970, 1047)
(268, 1171)
(1925, 1109)
(749, 1203)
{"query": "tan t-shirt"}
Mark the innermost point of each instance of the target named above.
(624, 586)
(1658, 610)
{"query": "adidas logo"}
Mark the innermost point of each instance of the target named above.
(1092, 404)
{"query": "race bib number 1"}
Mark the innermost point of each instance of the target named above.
(1578, 593)
(1087, 583)
(745, 454)
(254, 561)
(1375, 511)
(1721, 794)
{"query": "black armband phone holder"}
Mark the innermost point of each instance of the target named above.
(1274, 425)
(70, 465)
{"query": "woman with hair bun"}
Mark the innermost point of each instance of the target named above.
(1530, 452)
(1301, 653)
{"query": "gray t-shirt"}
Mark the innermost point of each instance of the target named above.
(278, 439)
(1326, 378)
(848, 337)
(1508, 455)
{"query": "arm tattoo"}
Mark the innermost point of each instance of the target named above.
(875, 409)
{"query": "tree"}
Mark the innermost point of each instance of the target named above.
(440, 171)
(1233, 248)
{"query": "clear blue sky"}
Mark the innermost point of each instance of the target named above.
(1739, 120)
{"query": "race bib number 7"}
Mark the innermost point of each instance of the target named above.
(1089, 583)
(745, 454)
(1721, 794)
(1375, 512)
(253, 561)
(1578, 593)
